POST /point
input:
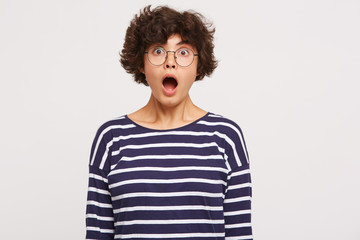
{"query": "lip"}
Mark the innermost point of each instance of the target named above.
(169, 92)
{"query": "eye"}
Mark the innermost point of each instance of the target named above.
(158, 51)
(184, 52)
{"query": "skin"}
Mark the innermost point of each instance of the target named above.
(163, 111)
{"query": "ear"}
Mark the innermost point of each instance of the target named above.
(141, 70)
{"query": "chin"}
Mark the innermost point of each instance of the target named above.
(170, 101)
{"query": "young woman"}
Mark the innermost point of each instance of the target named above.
(170, 170)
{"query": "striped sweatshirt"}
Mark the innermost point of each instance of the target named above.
(191, 182)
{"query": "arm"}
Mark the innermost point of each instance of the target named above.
(237, 205)
(237, 201)
(99, 210)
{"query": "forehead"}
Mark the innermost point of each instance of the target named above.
(174, 41)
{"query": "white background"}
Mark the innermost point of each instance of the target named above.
(288, 75)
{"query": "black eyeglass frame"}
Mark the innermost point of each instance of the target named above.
(194, 55)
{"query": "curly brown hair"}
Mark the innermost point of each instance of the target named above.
(156, 26)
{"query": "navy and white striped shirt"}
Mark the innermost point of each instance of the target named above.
(192, 182)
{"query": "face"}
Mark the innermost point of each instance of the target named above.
(170, 83)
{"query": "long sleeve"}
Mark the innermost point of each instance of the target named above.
(237, 205)
(238, 194)
(99, 210)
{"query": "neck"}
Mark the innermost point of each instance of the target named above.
(166, 117)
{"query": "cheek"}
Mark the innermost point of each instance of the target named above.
(149, 71)
(193, 71)
(190, 78)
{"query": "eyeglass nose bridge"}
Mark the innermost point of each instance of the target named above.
(168, 55)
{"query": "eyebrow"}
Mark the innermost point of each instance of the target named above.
(177, 44)
(182, 42)
(186, 42)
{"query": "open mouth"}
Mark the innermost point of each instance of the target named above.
(169, 83)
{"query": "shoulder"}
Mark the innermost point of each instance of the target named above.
(113, 127)
(106, 135)
(230, 131)
(222, 125)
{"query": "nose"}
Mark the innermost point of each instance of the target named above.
(170, 60)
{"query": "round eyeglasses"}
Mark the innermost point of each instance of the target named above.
(183, 56)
